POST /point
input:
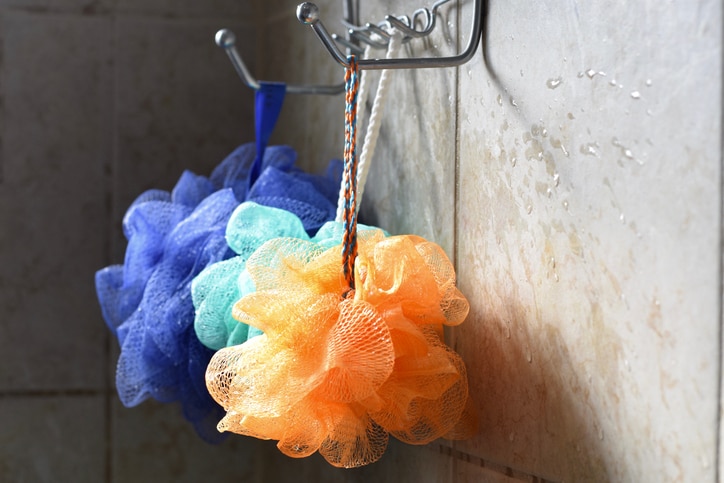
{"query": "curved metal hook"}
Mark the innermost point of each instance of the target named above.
(226, 39)
(366, 33)
(308, 13)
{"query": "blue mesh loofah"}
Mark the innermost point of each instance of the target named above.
(172, 237)
(219, 286)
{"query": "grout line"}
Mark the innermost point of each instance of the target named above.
(491, 466)
(456, 188)
(2, 110)
(113, 206)
(96, 11)
(720, 362)
(456, 185)
(40, 393)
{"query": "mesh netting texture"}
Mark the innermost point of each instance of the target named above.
(217, 288)
(172, 237)
(339, 374)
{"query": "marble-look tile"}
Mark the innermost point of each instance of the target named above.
(410, 188)
(51, 439)
(153, 442)
(180, 104)
(588, 240)
(55, 118)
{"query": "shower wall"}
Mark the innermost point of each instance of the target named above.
(572, 171)
(99, 101)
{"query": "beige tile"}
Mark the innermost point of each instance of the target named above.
(588, 240)
(55, 146)
(50, 439)
(153, 442)
(411, 184)
(180, 104)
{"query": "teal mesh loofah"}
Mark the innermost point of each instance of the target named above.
(219, 286)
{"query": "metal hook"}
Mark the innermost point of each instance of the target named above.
(378, 37)
(308, 13)
(226, 39)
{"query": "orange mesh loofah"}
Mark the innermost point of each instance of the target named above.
(335, 374)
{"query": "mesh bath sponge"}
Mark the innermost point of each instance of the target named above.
(172, 237)
(220, 285)
(339, 374)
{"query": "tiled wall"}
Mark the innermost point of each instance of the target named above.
(99, 100)
(572, 171)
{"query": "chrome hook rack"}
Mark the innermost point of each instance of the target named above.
(377, 35)
(308, 13)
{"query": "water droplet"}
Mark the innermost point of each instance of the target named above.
(528, 355)
(544, 132)
(648, 82)
(565, 205)
(556, 179)
(512, 102)
(552, 262)
(556, 143)
(554, 83)
(514, 161)
(627, 365)
(500, 100)
(555, 277)
(549, 192)
(529, 209)
(590, 149)
(591, 73)
(580, 74)
(622, 217)
(635, 95)
(507, 330)
(628, 153)
(613, 82)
